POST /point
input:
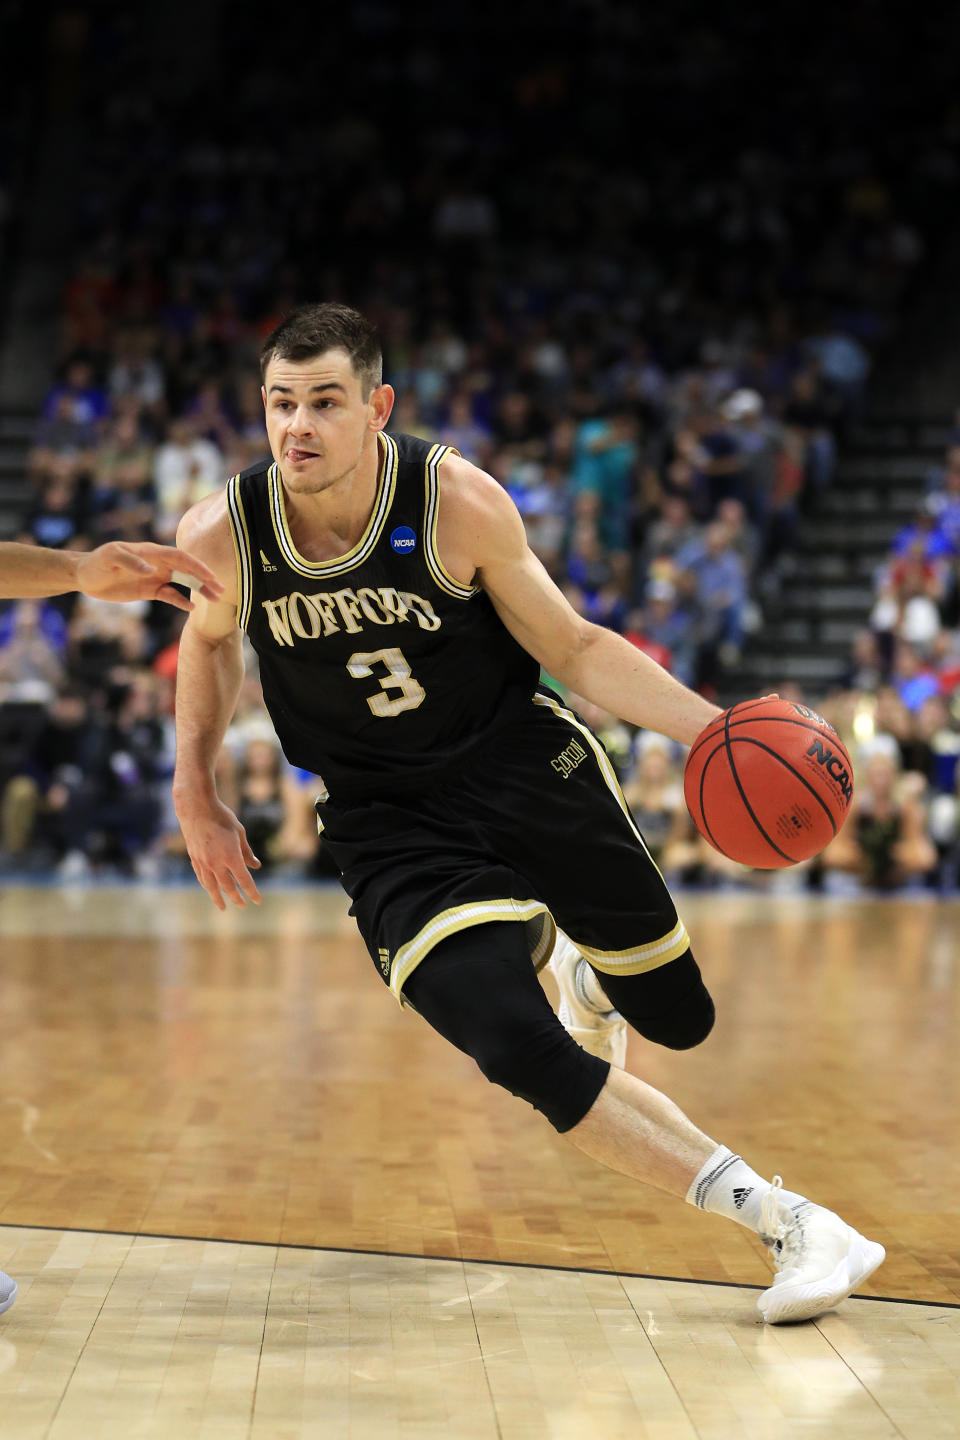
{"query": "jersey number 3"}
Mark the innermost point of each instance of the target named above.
(398, 678)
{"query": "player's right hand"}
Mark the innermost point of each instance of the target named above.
(123, 570)
(219, 852)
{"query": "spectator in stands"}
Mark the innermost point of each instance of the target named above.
(665, 628)
(473, 440)
(844, 362)
(913, 676)
(811, 418)
(654, 792)
(122, 497)
(59, 437)
(760, 440)
(712, 573)
(884, 843)
(33, 642)
(186, 467)
(604, 464)
(671, 530)
(262, 804)
(543, 502)
(135, 375)
(77, 397)
(712, 447)
(58, 517)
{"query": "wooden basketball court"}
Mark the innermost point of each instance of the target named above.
(245, 1195)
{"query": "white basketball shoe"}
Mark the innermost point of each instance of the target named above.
(819, 1259)
(602, 1032)
(8, 1291)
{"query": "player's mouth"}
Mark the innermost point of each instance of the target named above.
(300, 457)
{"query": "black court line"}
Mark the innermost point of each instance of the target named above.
(448, 1259)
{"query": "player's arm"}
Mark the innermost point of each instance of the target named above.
(209, 675)
(482, 541)
(121, 570)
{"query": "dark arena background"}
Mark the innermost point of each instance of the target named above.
(685, 281)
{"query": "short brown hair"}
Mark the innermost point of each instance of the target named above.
(311, 329)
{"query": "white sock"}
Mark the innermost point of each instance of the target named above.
(726, 1185)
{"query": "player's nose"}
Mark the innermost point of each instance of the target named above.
(300, 421)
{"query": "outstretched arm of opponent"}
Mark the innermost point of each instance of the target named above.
(209, 675)
(120, 570)
(482, 541)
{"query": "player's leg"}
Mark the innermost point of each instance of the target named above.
(669, 1005)
(638, 1131)
(8, 1291)
(478, 989)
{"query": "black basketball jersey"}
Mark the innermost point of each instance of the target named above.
(378, 669)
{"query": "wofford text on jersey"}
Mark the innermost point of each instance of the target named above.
(310, 617)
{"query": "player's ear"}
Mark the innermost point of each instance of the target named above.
(263, 395)
(381, 404)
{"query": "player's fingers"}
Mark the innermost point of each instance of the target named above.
(246, 882)
(228, 886)
(174, 562)
(173, 597)
(209, 883)
(247, 853)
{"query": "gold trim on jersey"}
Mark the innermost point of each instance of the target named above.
(241, 545)
(640, 958)
(448, 922)
(435, 565)
(655, 953)
(386, 485)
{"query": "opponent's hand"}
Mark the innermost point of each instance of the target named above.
(123, 570)
(219, 853)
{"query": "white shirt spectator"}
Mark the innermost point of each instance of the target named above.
(185, 469)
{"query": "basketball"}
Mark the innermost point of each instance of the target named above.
(768, 783)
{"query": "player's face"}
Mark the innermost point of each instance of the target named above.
(318, 421)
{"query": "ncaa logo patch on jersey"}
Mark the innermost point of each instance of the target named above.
(404, 540)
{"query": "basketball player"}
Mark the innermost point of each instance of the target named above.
(118, 571)
(400, 622)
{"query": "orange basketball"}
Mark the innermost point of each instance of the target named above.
(768, 783)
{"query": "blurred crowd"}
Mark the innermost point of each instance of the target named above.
(656, 350)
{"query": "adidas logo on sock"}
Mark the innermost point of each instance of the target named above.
(740, 1196)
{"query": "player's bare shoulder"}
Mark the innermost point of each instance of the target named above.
(477, 520)
(205, 531)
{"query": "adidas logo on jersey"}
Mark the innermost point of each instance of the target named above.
(265, 562)
(740, 1196)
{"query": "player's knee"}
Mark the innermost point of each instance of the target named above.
(547, 1069)
(670, 1006)
(684, 1025)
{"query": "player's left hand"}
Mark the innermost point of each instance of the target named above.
(122, 570)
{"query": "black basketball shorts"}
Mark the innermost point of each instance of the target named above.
(533, 828)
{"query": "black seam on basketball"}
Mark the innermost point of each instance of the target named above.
(829, 735)
(761, 745)
(706, 832)
(743, 795)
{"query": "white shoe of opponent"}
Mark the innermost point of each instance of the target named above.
(602, 1032)
(819, 1259)
(8, 1291)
